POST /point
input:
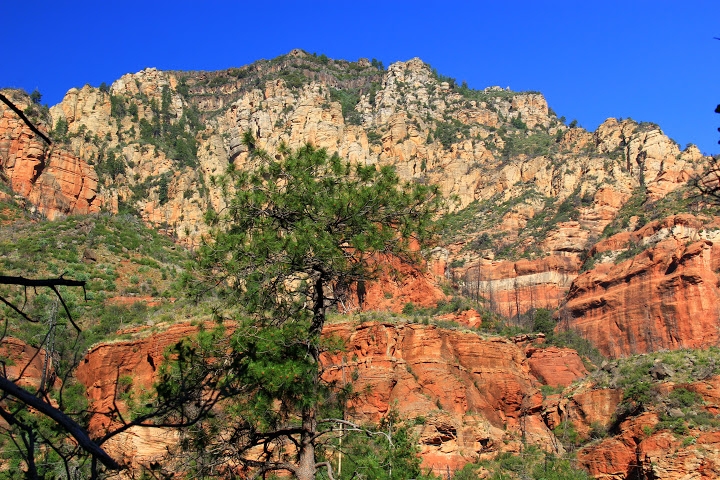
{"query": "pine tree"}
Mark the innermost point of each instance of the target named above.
(297, 233)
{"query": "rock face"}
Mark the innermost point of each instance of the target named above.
(27, 366)
(665, 297)
(535, 187)
(430, 130)
(557, 367)
(54, 181)
(639, 448)
(476, 396)
(399, 284)
(108, 371)
(513, 288)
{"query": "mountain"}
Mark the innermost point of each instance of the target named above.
(602, 228)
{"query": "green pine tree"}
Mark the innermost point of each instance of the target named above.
(296, 233)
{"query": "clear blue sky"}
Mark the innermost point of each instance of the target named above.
(650, 60)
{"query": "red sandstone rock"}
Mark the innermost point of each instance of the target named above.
(470, 318)
(55, 181)
(477, 395)
(478, 389)
(400, 284)
(667, 297)
(640, 448)
(555, 366)
(26, 365)
(519, 286)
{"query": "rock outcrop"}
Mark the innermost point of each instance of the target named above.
(557, 367)
(476, 396)
(665, 297)
(513, 288)
(27, 366)
(54, 181)
(431, 131)
(641, 448)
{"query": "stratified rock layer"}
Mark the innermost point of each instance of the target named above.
(665, 297)
(641, 450)
(476, 396)
(54, 181)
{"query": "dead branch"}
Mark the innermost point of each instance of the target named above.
(67, 423)
(22, 116)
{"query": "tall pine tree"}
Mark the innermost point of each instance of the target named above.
(296, 234)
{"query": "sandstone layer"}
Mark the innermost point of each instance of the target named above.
(665, 297)
(514, 287)
(476, 396)
(55, 182)
(639, 448)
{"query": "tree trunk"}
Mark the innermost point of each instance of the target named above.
(306, 469)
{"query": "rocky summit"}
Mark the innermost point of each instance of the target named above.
(568, 260)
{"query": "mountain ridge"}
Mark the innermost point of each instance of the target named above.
(601, 227)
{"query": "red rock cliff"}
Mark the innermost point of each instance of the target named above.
(54, 181)
(666, 297)
(477, 395)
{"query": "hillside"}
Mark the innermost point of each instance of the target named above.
(532, 193)
(601, 229)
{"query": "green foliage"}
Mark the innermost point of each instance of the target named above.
(534, 145)
(442, 78)
(567, 434)
(635, 206)
(60, 132)
(518, 123)
(447, 133)
(532, 463)
(110, 165)
(293, 227)
(117, 106)
(543, 322)
(378, 457)
(374, 137)
(568, 209)
(682, 397)
(348, 100)
(36, 97)
(293, 79)
(173, 136)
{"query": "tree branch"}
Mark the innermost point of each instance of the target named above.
(61, 419)
(51, 283)
(22, 116)
(354, 427)
(41, 282)
(329, 469)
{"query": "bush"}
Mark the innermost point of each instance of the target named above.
(543, 322)
(348, 100)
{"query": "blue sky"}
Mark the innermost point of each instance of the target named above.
(653, 61)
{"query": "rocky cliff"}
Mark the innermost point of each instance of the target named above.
(526, 185)
(649, 290)
(54, 182)
(542, 215)
(475, 395)
(472, 397)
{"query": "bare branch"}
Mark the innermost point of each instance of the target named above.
(61, 419)
(353, 427)
(41, 282)
(22, 116)
(329, 469)
(51, 283)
